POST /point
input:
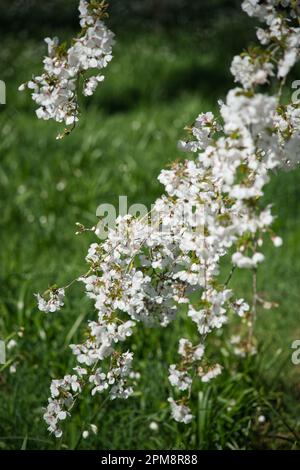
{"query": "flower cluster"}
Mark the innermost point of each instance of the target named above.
(212, 206)
(56, 90)
(117, 380)
(52, 300)
(250, 70)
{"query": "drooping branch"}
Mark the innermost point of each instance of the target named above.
(212, 204)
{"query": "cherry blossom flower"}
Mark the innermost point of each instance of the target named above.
(180, 412)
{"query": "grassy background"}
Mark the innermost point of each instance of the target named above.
(157, 83)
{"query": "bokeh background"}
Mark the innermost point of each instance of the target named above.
(171, 62)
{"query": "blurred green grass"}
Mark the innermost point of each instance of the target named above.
(157, 83)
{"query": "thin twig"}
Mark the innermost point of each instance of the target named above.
(253, 309)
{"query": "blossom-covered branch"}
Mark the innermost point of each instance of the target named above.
(212, 206)
(56, 90)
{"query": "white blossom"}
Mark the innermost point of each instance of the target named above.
(277, 241)
(55, 90)
(153, 426)
(242, 261)
(179, 379)
(53, 302)
(180, 413)
(249, 72)
(11, 344)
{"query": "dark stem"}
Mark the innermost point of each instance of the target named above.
(253, 309)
